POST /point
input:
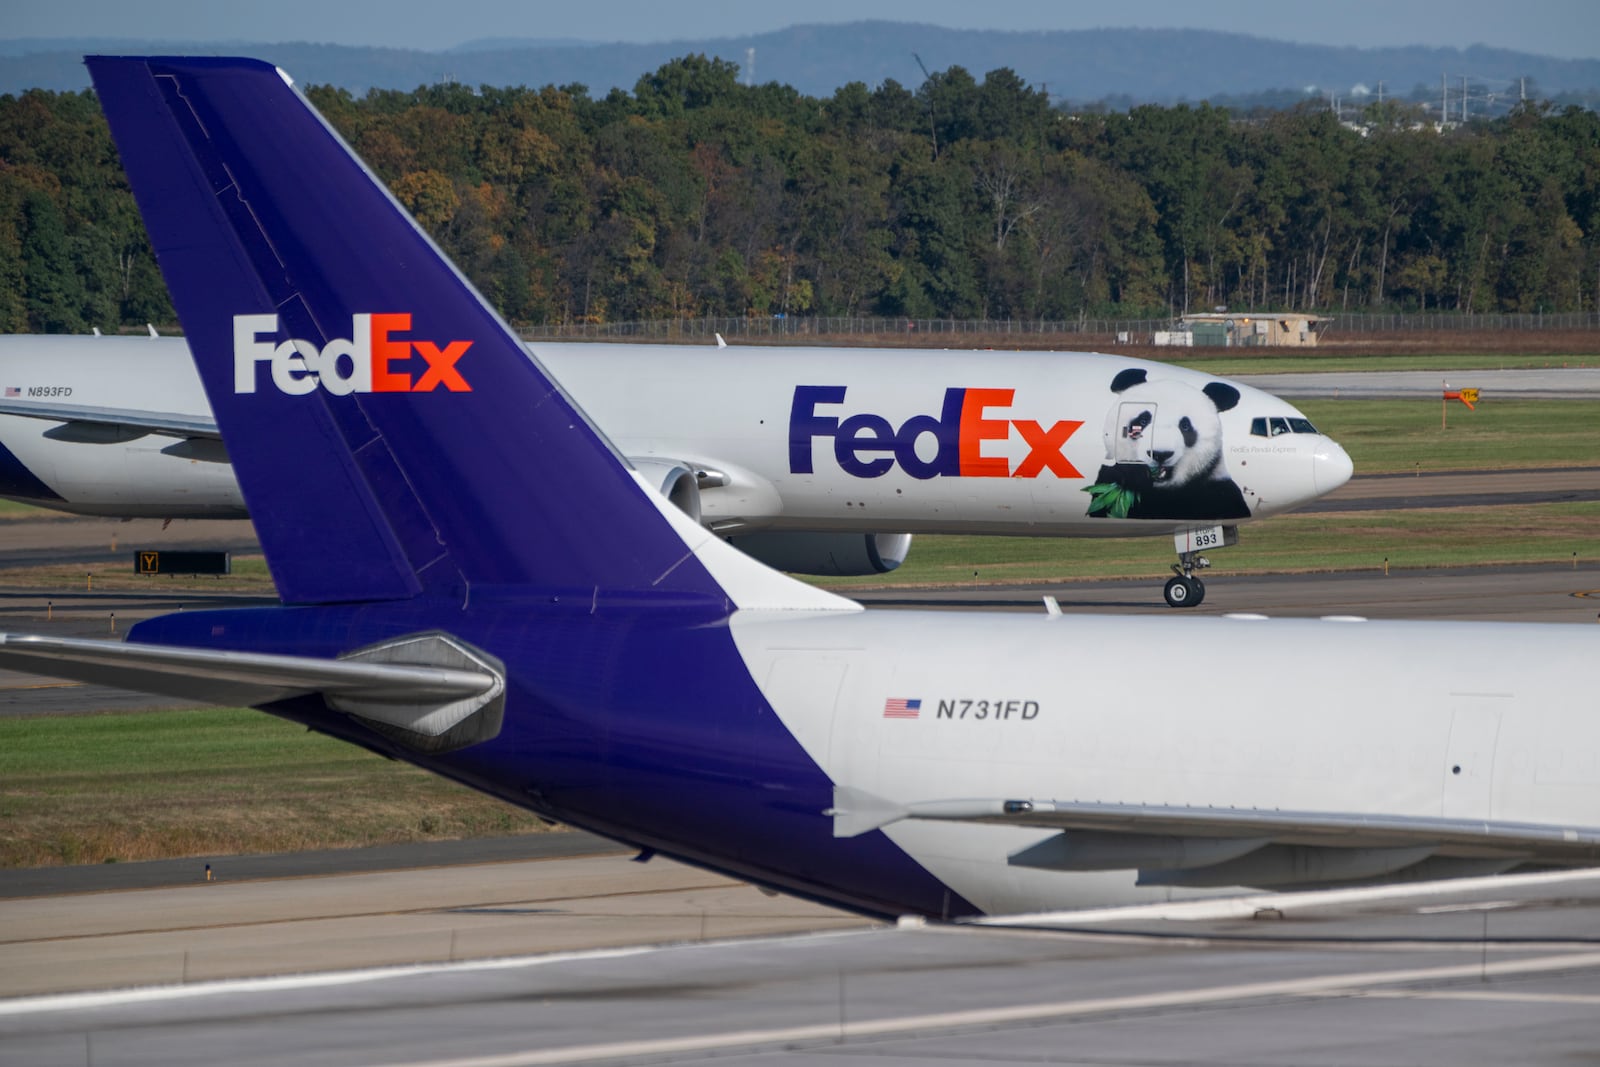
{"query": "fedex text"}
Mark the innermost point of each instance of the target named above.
(869, 446)
(373, 359)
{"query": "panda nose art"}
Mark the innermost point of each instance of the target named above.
(1161, 457)
(1330, 466)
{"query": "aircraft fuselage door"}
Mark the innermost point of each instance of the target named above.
(1133, 428)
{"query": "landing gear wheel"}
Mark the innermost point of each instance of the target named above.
(1184, 590)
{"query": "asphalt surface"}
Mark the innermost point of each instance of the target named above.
(1428, 981)
(205, 931)
(1532, 593)
(194, 870)
(1570, 382)
(1377, 492)
(53, 538)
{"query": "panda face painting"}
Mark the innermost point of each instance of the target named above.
(1176, 449)
(1164, 454)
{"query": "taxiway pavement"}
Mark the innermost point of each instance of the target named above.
(1578, 379)
(1323, 989)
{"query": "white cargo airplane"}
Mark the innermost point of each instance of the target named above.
(476, 581)
(803, 457)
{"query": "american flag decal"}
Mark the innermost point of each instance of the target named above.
(901, 708)
(12, 390)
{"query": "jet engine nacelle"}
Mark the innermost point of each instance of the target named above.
(672, 480)
(834, 555)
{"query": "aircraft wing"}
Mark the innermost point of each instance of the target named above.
(443, 684)
(120, 421)
(1181, 845)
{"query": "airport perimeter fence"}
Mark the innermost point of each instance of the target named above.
(1443, 321)
(930, 331)
(817, 327)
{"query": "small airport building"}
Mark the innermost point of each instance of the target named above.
(1248, 329)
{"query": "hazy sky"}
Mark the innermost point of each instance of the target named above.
(1567, 28)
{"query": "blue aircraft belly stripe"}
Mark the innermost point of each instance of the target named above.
(704, 771)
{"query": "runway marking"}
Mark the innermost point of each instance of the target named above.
(545, 903)
(41, 685)
(255, 986)
(1487, 905)
(1481, 995)
(1323, 985)
(1353, 984)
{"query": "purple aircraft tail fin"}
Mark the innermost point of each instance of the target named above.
(390, 434)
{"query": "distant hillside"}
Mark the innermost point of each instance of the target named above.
(1132, 66)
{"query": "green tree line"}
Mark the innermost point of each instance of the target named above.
(696, 195)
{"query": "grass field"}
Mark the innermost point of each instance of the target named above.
(1388, 436)
(12, 509)
(148, 785)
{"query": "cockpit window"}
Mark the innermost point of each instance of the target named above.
(1277, 425)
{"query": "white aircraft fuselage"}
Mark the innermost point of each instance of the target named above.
(1135, 752)
(803, 439)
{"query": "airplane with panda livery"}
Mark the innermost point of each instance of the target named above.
(814, 460)
(474, 580)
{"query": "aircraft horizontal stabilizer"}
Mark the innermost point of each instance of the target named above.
(856, 812)
(420, 689)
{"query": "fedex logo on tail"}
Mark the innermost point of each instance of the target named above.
(869, 446)
(373, 359)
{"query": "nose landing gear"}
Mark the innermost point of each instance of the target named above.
(1184, 590)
